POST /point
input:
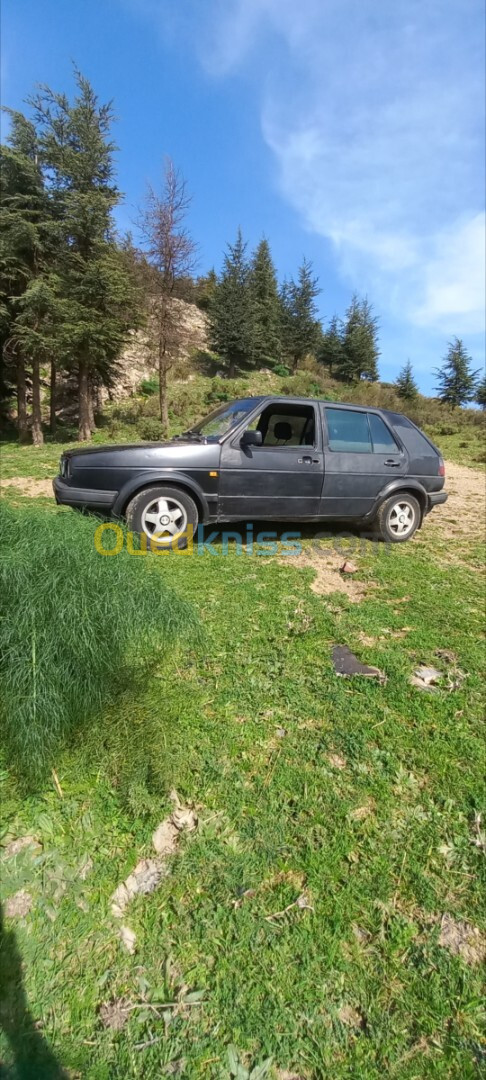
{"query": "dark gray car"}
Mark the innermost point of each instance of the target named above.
(265, 458)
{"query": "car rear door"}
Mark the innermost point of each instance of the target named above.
(273, 481)
(361, 456)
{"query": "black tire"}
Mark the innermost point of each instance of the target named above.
(398, 518)
(180, 515)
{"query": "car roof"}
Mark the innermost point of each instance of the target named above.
(276, 398)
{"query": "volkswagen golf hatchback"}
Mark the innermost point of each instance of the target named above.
(288, 459)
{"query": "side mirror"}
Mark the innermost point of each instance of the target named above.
(251, 438)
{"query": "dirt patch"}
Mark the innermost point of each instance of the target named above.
(20, 844)
(326, 564)
(27, 486)
(114, 1014)
(464, 513)
(362, 812)
(336, 761)
(463, 940)
(19, 905)
(351, 1017)
(286, 1074)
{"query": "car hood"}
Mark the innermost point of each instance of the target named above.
(112, 448)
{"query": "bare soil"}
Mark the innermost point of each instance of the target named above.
(327, 564)
(464, 513)
(27, 486)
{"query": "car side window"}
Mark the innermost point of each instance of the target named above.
(348, 431)
(281, 427)
(382, 438)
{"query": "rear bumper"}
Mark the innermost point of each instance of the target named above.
(65, 495)
(435, 498)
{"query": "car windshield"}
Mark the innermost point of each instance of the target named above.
(214, 426)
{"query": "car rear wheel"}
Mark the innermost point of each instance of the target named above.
(167, 516)
(398, 518)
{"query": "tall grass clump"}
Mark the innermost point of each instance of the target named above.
(77, 629)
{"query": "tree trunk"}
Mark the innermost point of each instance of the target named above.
(91, 408)
(232, 370)
(84, 430)
(21, 401)
(37, 436)
(163, 401)
(52, 407)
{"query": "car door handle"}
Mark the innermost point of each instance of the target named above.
(392, 464)
(308, 460)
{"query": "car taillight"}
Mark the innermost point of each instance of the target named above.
(441, 467)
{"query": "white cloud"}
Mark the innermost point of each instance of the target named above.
(454, 278)
(372, 114)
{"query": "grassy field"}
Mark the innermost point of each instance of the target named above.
(325, 918)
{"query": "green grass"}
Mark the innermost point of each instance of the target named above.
(465, 446)
(76, 628)
(277, 817)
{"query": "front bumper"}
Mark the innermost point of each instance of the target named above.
(66, 495)
(435, 498)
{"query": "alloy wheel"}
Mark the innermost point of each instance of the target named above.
(401, 518)
(163, 520)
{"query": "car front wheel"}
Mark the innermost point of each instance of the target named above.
(166, 515)
(398, 518)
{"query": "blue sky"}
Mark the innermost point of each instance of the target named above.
(351, 131)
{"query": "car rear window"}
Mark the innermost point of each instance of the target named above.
(417, 444)
(383, 441)
(348, 431)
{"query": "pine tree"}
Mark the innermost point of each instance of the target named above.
(456, 383)
(405, 384)
(330, 350)
(230, 317)
(205, 289)
(27, 249)
(97, 295)
(360, 343)
(265, 307)
(300, 326)
(481, 393)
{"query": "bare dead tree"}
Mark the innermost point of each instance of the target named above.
(171, 254)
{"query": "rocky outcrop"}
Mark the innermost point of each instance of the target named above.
(138, 360)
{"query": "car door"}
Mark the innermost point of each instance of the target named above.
(361, 456)
(283, 477)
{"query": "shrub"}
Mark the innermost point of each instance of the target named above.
(116, 430)
(304, 384)
(150, 428)
(77, 629)
(150, 406)
(280, 369)
(149, 386)
(127, 411)
(219, 391)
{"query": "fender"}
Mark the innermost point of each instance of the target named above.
(405, 483)
(148, 477)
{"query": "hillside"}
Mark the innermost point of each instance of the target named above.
(130, 410)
